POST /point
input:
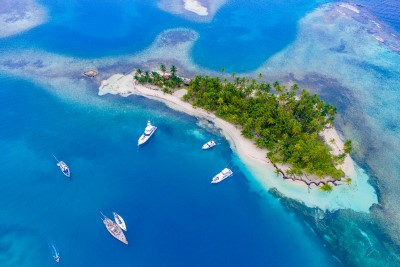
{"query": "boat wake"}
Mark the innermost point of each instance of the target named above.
(54, 252)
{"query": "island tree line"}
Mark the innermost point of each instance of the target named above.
(287, 122)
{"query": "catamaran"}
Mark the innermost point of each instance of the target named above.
(148, 132)
(209, 145)
(114, 229)
(225, 173)
(63, 167)
(120, 222)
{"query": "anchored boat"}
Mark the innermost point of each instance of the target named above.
(225, 173)
(114, 229)
(209, 145)
(63, 167)
(148, 132)
(120, 222)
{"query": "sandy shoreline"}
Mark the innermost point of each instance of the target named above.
(253, 157)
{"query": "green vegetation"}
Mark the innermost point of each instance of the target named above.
(326, 188)
(165, 81)
(348, 147)
(286, 125)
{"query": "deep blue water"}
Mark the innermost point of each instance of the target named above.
(386, 10)
(174, 216)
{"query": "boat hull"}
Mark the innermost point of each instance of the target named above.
(208, 145)
(114, 230)
(64, 168)
(119, 221)
(225, 173)
(144, 138)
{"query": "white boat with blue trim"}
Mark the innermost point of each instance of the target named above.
(63, 167)
(225, 173)
(209, 145)
(120, 222)
(148, 132)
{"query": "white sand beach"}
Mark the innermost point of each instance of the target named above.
(195, 7)
(358, 196)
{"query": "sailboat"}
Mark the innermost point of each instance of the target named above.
(63, 167)
(114, 229)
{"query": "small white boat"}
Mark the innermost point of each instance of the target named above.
(57, 258)
(120, 222)
(55, 253)
(209, 145)
(63, 167)
(148, 132)
(225, 173)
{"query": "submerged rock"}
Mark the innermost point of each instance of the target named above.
(90, 73)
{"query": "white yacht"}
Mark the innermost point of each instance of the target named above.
(225, 173)
(120, 222)
(209, 145)
(148, 132)
(63, 167)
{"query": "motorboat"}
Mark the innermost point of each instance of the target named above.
(225, 173)
(57, 258)
(209, 145)
(148, 132)
(56, 255)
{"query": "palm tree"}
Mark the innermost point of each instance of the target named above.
(222, 71)
(326, 188)
(163, 68)
(139, 71)
(348, 147)
(260, 75)
(173, 70)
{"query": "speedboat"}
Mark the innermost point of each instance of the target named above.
(209, 145)
(63, 167)
(225, 173)
(57, 258)
(114, 229)
(148, 132)
(120, 222)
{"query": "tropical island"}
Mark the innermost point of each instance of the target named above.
(286, 122)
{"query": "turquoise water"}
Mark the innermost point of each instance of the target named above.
(163, 191)
(174, 216)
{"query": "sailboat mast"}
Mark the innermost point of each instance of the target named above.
(55, 158)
